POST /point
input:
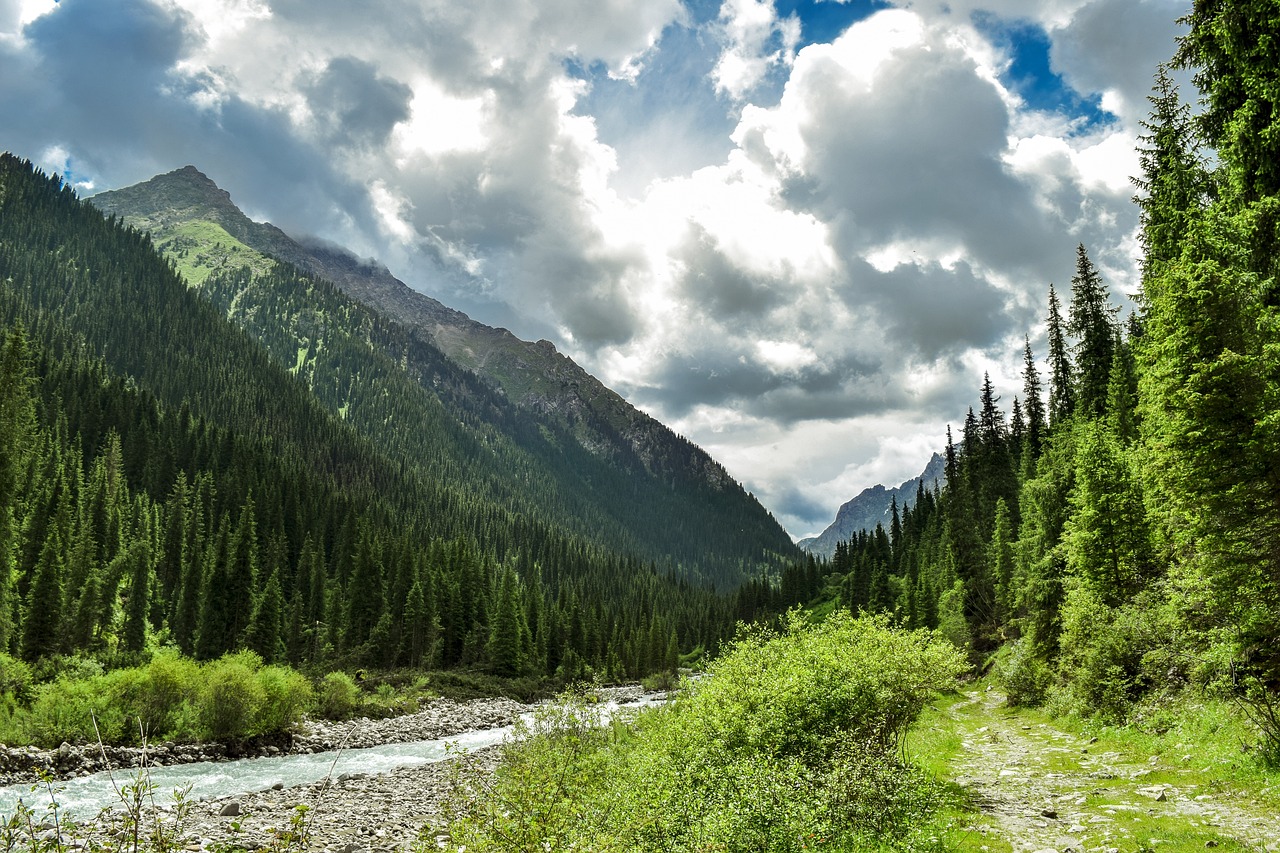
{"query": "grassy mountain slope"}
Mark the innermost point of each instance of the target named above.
(178, 481)
(517, 423)
(532, 374)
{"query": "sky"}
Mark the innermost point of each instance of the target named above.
(798, 232)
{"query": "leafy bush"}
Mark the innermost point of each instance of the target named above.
(15, 679)
(1026, 678)
(1112, 656)
(791, 739)
(66, 709)
(287, 696)
(339, 696)
(168, 693)
(231, 697)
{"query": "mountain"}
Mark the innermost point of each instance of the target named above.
(185, 212)
(515, 422)
(871, 507)
(260, 462)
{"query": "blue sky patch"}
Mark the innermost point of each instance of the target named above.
(1031, 74)
(822, 21)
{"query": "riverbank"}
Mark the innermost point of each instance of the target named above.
(436, 719)
(347, 812)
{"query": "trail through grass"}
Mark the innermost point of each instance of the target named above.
(1040, 785)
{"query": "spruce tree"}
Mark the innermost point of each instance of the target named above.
(265, 631)
(1033, 402)
(43, 611)
(1174, 185)
(1092, 322)
(134, 637)
(18, 427)
(1062, 394)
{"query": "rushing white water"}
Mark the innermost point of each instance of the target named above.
(85, 796)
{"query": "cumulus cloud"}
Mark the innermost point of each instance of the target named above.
(803, 257)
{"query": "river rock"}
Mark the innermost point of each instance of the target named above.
(231, 809)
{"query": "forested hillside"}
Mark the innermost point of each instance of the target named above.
(515, 420)
(1115, 532)
(164, 479)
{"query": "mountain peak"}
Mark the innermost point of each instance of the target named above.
(871, 506)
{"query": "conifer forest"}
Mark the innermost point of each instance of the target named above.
(260, 463)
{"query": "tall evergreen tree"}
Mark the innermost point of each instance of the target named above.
(1234, 48)
(17, 426)
(1092, 321)
(1174, 185)
(1033, 402)
(1062, 394)
(43, 611)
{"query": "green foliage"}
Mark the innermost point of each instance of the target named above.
(338, 697)
(287, 695)
(231, 697)
(789, 742)
(15, 679)
(176, 470)
(1027, 679)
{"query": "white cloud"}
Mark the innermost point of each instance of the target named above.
(814, 307)
(756, 41)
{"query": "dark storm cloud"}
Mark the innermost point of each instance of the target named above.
(721, 287)
(797, 503)
(919, 156)
(1117, 44)
(931, 311)
(355, 104)
(715, 376)
(93, 72)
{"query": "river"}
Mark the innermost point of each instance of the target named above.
(83, 797)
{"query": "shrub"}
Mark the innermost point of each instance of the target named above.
(339, 696)
(231, 697)
(169, 690)
(67, 708)
(1111, 656)
(15, 679)
(1025, 677)
(287, 696)
(789, 743)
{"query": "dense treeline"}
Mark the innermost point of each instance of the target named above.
(1116, 531)
(163, 482)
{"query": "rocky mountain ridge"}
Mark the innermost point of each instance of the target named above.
(871, 506)
(533, 375)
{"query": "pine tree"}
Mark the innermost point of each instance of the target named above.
(1092, 321)
(17, 425)
(265, 631)
(366, 600)
(134, 638)
(1062, 395)
(1122, 391)
(44, 601)
(1108, 535)
(1033, 402)
(1174, 185)
(1002, 564)
(1235, 51)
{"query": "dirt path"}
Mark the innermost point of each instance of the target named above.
(1042, 789)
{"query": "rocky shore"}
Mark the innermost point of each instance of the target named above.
(439, 718)
(352, 813)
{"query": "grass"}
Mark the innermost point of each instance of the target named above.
(200, 249)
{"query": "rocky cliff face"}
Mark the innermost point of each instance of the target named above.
(872, 507)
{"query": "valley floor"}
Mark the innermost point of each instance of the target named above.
(1037, 786)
